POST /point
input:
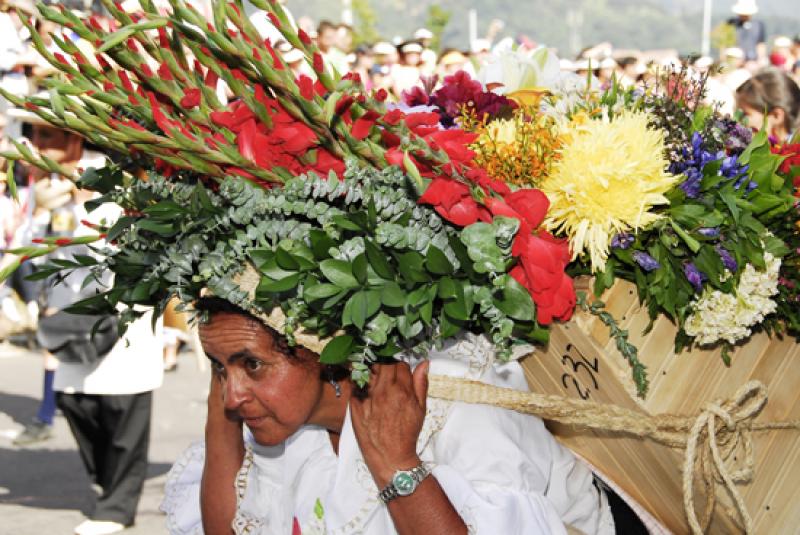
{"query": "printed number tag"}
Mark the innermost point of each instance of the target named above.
(580, 373)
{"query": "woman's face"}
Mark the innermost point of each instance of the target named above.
(273, 393)
(756, 119)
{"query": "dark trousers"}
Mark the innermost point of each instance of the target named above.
(113, 435)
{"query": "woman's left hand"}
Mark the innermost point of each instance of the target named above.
(388, 421)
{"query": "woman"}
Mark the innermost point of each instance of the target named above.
(772, 99)
(317, 453)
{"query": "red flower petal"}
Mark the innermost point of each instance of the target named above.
(306, 86)
(364, 124)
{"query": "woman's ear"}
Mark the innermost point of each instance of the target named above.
(777, 123)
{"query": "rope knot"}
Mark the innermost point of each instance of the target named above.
(724, 452)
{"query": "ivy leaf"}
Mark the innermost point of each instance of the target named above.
(321, 244)
(392, 295)
(339, 273)
(378, 261)
(337, 350)
(362, 306)
(437, 262)
(517, 302)
(267, 286)
(320, 291)
(360, 268)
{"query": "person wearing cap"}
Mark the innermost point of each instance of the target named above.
(732, 70)
(428, 56)
(450, 62)
(751, 34)
(405, 75)
(781, 54)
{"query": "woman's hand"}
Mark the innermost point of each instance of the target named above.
(388, 421)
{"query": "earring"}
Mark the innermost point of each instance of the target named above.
(336, 387)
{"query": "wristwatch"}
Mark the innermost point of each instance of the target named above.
(404, 482)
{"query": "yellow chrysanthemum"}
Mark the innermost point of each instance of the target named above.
(609, 176)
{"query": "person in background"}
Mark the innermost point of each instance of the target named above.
(294, 59)
(406, 74)
(428, 56)
(450, 62)
(732, 70)
(344, 37)
(782, 54)
(363, 65)
(628, 71)
(771, 100)
(751, 34)
(605, 73)
(13, 54)
(327, 41)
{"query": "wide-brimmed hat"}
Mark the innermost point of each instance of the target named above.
(411, 48)
(745, 7)
(382, 48)
(423, 33)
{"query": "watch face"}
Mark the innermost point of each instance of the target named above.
(404, 483)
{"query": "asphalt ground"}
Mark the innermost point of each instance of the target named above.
(44, 488)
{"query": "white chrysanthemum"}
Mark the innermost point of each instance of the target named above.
(720, 316)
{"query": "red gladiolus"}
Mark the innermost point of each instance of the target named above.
(37, 240)
(540, 269)
(274, 20)
(453, 201)
(191, 98)
(381, 95)
(343, 104)
(532, 204)
(163, 40)
(306, 40)
(306, 86)
(164, 72)
(393, 117)
(60, 58)
(364, 124)
(126, 82)
(319, 64)
(63, 241)
(211, 79)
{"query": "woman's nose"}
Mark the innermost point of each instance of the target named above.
(236, 392)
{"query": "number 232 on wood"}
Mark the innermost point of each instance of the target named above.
(580, 374)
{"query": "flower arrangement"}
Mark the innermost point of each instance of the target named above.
(382, 230)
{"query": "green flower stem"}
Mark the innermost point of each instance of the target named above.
(620, 336)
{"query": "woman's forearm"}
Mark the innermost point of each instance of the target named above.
(224, 456)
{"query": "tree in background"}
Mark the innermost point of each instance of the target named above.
(436, 23)
(366, 29)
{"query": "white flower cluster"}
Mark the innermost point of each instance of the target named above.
(729, 316)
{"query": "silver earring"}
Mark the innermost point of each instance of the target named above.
(336, 387)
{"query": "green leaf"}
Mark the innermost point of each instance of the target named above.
(411, 267)
(392, 295)
(346, 224)
(162, 229)
(378, 261)
(321, 244)
(320, 291)
(693, 244)
(482, 248)
(268, 286)
(285, 260)
(517, 302)
(362, 306)
(259, 257)
(119, 227)
(437, 262)
(360, 268)
(339, 273)
(337, 350)
(12, 184)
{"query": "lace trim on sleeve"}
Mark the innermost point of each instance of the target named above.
(244, 523)
(176, 491)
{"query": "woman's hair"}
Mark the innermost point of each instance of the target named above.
(769, 89)
(212, 305)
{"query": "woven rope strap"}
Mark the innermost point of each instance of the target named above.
(712, 439)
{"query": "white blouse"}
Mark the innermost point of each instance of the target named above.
(502, 471)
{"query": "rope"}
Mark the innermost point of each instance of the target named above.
(712, 440)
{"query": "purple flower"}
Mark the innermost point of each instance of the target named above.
(727, 259)
(708, 232)
(694, 276)
(623, 240)
(645, 261)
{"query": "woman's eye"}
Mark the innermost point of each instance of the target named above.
(217, 368)
(253, 364)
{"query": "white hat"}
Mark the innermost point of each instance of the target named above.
(782, 42)
(292, 55)
(384, 48)
(423, 33)
(608, 63)
(703, 62)
(745, 7)
(566, 65)
(734, 52)
(481, 45)
(411, 48)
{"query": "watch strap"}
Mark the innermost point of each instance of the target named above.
(418, 473)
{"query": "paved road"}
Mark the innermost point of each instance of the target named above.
(44, 488)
